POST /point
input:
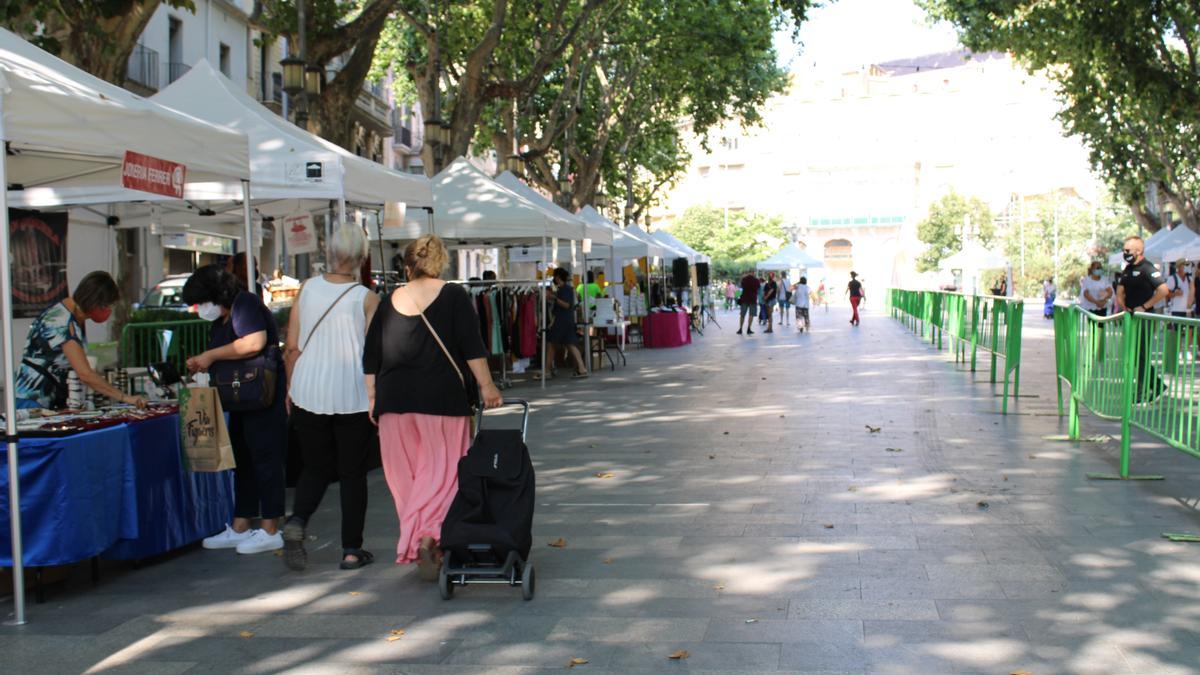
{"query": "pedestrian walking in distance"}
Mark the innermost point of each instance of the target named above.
(770, 297)
(800, 300)
(328, 397)
(748, 303)
(784, 295)
(1049, 293)
(1140, 289)
(422, 344)
(855, 290)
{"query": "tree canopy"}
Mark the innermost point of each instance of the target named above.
(942, 229)
(735, 243)
(1127, 76)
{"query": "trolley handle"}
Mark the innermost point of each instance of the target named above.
(506, 403)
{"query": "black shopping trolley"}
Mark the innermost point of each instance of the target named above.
(488, 529)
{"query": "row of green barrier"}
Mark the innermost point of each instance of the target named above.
(1139, 369)
(143, 343)
(968, 324)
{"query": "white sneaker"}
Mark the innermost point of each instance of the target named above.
(261, 542)
(227, 539)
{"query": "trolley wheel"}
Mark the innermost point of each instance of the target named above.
(445, 587)
(527, 582)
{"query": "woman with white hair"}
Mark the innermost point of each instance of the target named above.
(328, 396)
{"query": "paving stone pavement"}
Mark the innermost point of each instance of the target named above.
(751, 520)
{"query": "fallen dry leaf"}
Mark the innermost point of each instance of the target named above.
(246, 634)
(682, 653)
(577, 662)
(279, 553)
(719, 587)
(983, 506)
(392, 638)
(1021, 672)
(751, 620)
(725, 433)
(894, 449)
(872, 429)
(605, 474)
(397, 631)
(607, 561)
(712, 456)
(852, 489)
(1006, 478)
(829, 526)
(355, 592)
(558, 543)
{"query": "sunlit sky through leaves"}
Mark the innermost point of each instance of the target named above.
(849, 33)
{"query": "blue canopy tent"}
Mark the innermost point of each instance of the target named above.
(790, 257)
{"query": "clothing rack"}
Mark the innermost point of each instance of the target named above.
(532, 285)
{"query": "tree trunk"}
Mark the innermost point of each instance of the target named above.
(332, 114)
(99, 44)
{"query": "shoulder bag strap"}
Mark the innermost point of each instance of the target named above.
(327, 311)
(441, 344)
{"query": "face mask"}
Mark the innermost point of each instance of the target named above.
(209, 311)
(1129, 257)
(100, 314)
(1096, 273)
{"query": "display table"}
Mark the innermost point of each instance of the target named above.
(666, 329)
(119, 492)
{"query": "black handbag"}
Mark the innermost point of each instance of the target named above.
(247, 384)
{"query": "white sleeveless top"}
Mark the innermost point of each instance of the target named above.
(328, 377)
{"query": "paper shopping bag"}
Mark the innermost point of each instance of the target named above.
(205, 438)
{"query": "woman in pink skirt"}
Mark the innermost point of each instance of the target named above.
(421, 351)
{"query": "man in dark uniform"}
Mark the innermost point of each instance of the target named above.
(1141, 288)
(749, 302)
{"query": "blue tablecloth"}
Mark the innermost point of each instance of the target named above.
(119, 492)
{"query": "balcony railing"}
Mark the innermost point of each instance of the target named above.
(143, 67)
(177, 70)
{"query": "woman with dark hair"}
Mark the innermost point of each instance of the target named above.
(243, 328)
(562, 331)
(421, 350)
(57, 345)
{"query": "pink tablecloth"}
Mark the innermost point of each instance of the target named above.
(666, 329)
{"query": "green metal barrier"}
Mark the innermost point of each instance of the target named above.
(1139, 369)
(970, 323)
(141, 343)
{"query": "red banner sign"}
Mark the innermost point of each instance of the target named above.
(151, 174)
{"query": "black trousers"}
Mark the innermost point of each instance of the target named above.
(259, 440)
(334, 447)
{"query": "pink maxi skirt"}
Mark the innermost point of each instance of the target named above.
(420, 461)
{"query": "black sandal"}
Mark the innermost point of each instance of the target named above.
(364, 558)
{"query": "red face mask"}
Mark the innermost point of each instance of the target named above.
(100, 314)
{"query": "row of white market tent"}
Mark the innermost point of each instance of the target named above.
(1167, 246)
(71, 139)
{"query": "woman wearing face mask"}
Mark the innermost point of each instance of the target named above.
(57, 344)
(243, 327)
(1095, 291)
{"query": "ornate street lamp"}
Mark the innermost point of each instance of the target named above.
(314, 80)
(293, 75)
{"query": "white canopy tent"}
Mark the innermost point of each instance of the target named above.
(1180, 237)
(669, 250)
(625, 244)
(1188, 252)
(669, 240)
(471, 207)
(598, 234)
(1117, 258)
(68, 133)
(790, 257)
(281, 154)
(972, 260)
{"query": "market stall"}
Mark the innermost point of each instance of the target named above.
(292, 171)
(75, 139)
(473, 210)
